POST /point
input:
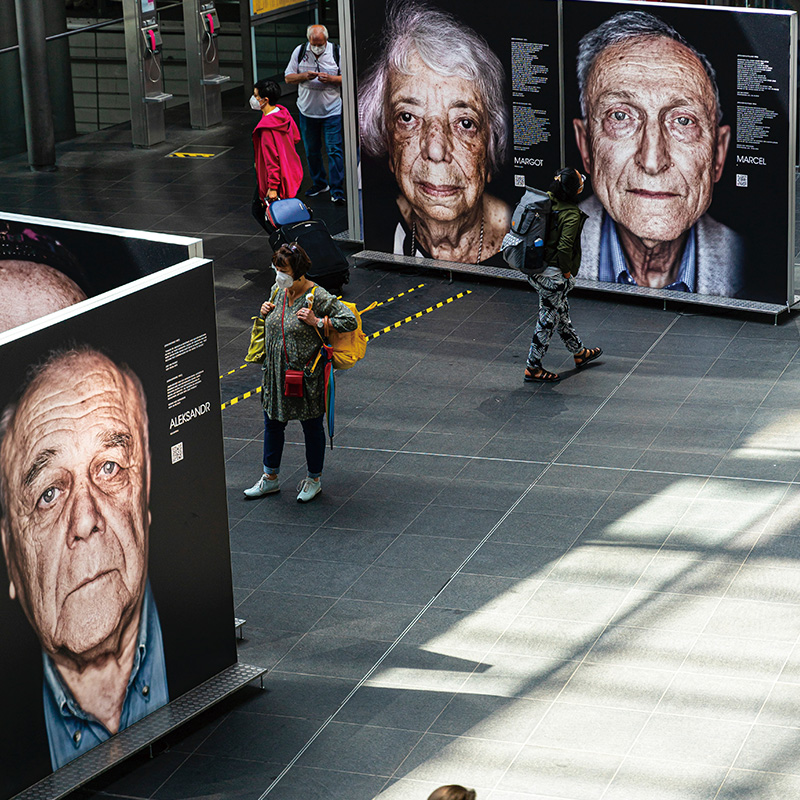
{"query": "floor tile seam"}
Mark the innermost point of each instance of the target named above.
(775, 682)
(385, 655)
(744, 563)
(638, 470)
(335, 598)
(756, 409)
(616, 620)
(182, 764)
(371, 671)
(764, 772)
(579, 662)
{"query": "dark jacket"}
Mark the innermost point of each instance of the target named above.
(563, 246)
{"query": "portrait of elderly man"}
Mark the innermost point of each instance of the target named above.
(74, 489)
(433, 104)
(38, 275)
(651, 139)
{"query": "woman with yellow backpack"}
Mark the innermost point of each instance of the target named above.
(295, 319)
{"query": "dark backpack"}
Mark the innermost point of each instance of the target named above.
(523, 245)
(304, 50)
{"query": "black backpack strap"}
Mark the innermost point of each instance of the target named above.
(336, 56)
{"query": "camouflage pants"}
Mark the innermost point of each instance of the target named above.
(553, 316)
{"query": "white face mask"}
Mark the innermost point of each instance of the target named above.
(254, 104)
(317, 49)
(283, 279)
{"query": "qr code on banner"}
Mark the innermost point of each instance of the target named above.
(741, 180)
(519, 181)
(177, 452)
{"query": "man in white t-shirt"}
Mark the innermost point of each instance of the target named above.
(314, 67)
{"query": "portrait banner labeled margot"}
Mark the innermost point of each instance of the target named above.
(680, 116)
(115, 587)
(452, 117)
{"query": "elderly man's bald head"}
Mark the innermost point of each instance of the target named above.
(29, 290)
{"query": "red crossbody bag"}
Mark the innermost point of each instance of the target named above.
(293, 380)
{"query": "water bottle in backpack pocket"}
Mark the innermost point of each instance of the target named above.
(523, 245)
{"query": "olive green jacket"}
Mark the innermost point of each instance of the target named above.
(563, 246)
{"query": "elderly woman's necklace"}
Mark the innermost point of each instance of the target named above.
(414, 240)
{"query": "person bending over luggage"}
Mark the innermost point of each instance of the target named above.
(296, 316)
(562, 256)
(279, 171)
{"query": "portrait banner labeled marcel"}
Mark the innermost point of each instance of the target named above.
(680, 116)
(116, 593)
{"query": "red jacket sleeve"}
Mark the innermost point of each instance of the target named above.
(269, 176)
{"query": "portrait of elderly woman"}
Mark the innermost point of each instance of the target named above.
(433, 105)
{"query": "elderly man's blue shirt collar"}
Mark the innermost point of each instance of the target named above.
(613, 267)
(71, 731)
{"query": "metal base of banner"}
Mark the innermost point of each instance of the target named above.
(344, 237)
(142, 734)
(664, 295)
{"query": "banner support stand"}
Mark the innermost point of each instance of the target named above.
(349, 119)
(142, 734)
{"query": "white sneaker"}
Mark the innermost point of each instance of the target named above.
(309, 488)
(263, 486)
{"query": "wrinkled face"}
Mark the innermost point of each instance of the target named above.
(29, 290)
(439, 137)
(651, 140)
(75, 467)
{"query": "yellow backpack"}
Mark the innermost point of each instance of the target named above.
(350, 347)
(347, 348)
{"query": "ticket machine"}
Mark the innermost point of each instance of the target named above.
(201, 27)
(143, 46)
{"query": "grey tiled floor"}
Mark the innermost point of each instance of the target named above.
(589, 590)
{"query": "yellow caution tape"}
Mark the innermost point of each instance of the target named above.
(417, 315)
(245, 396)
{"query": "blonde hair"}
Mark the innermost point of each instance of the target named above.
(453, 792)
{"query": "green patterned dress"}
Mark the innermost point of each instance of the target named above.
(302, 346)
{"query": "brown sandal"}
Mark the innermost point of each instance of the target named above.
(583, 357)
(540, 375)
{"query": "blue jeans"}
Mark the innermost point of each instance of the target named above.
(274, 437)
(313, 131)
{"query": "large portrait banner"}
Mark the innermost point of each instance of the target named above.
(458, 108)
(680, 116)
(115, 587)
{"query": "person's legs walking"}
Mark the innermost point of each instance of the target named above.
(549, 299)
(314, 434)
(311, 133)
(333, 147)
(564, 325)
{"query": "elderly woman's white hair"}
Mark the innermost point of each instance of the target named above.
(448, 47)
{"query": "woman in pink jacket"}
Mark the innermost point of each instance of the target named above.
(279, 170)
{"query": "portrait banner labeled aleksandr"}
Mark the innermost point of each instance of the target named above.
(458, 110)
(680, 117)
(115, 586)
